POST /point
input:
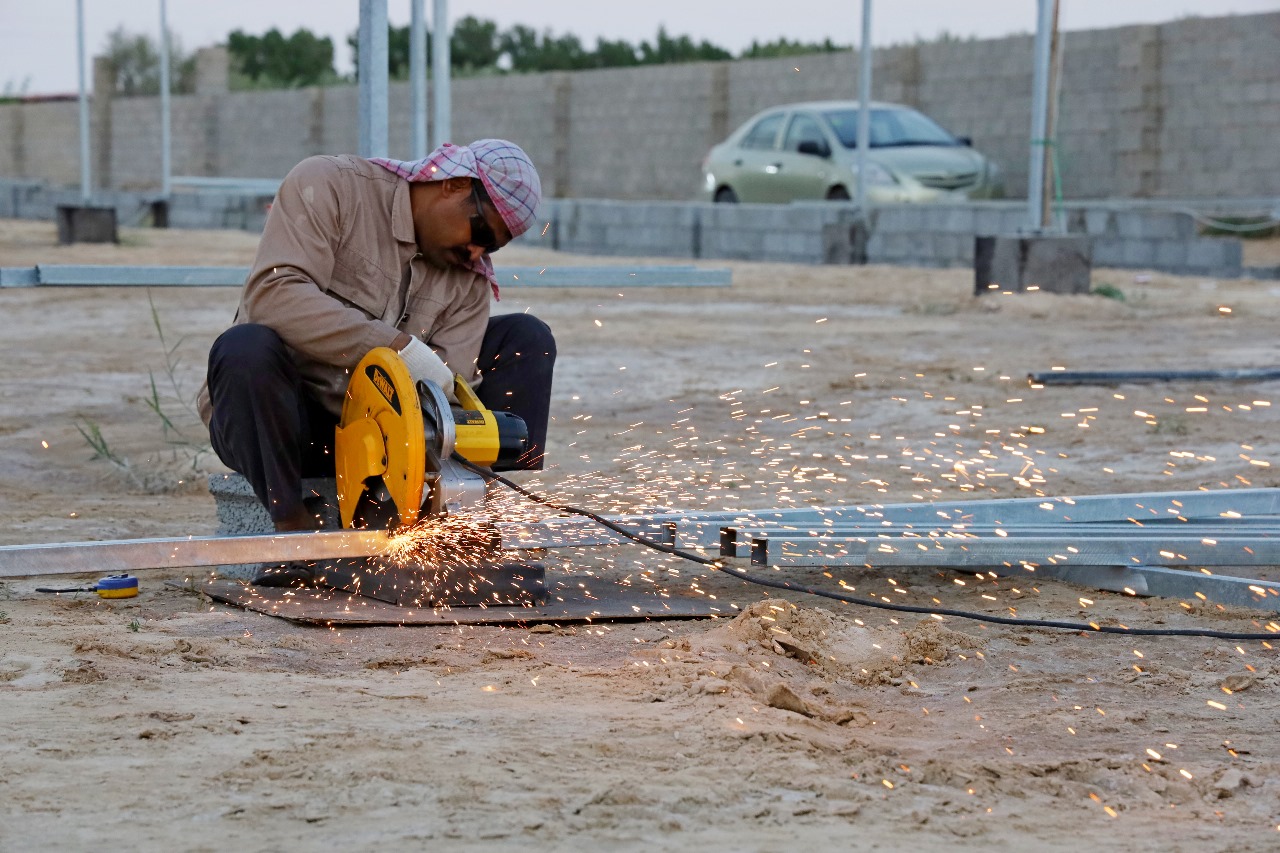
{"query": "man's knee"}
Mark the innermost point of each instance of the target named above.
(520, 335)
(245, 350)
(535, 337)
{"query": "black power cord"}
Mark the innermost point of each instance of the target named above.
(491, 477)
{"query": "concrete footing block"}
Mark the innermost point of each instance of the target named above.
(1055, 264)
(84, 224)
(240, 513)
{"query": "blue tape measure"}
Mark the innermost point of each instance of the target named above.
(112, 586)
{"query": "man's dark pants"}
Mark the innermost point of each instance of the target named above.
(269, 429)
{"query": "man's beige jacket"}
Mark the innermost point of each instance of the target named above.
(338, 273)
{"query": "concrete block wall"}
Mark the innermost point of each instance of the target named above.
(623, 228)
(1185, 109)
(1220, 102)
(914, 235)
(634, 136)
(530, 109)
(41, 141)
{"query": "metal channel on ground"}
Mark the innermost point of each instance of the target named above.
(187, 552)
(575, 533)
(1147, 377)
(702, 529)
(736, 541)
(1063, 549)
(1164, 582)
(78, 275)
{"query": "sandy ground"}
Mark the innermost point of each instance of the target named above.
(167, 722)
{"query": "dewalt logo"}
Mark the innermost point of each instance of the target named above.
(382, 381)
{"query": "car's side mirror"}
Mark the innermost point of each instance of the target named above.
(966, 141)
(814, 147)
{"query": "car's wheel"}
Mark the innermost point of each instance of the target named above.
(724, 195)
(837, 194)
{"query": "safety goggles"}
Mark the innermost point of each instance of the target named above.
(481, 231)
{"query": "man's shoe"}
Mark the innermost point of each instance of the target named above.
(286, 574)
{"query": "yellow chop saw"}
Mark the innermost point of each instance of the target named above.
(404, 433)
(397, 453)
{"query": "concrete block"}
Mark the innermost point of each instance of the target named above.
(957, 219)
(988, 220)
(1052, 264)
(893, 247)
(813, 215)
(240, 513)
(1108, 252)
(1170, 254)
(737, 244)
(1219, 255)
(85, 224)
(789, 245)
(1098, 222)
(1138, 253)
(1153, 225)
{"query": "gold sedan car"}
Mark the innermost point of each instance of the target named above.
(809, 151)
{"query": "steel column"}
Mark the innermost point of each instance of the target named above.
(372, 73)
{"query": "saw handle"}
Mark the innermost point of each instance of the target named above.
(485, 436)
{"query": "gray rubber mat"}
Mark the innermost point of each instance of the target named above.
(573, 598)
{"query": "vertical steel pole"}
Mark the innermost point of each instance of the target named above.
(1053, 88)
(166, 144)
(418, 78)
(442, 130)
(1039, 113)
(86, 178)
(372, 71)
(864, 106)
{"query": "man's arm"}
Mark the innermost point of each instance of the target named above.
(294, 268)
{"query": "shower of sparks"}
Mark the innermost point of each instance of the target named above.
(975, 431)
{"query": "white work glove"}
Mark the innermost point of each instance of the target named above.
(423, 363)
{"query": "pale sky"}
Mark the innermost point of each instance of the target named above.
(38, 37)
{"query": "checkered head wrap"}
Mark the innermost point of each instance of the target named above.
(503, 168)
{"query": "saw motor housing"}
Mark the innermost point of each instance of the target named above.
(404, 434)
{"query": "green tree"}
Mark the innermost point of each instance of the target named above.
(135, 65)
(666, 49)
(616, 54)
(784, 47)
(563, 53)
(522, 46)
(398, 52)
(474, 44)
(274, 61)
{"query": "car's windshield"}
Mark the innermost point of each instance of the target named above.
(889, 127)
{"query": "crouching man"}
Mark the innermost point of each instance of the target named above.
(358, 254)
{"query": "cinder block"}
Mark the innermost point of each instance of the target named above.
(957, 219)
(1108, 252)
(787, 245)
(1138, 253)
(1049, 263)
(1171, 255)
(240, 513)
(737, 244)
(1099, 222)
(87, 224)
(1221, 255)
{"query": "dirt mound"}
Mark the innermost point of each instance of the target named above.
(830, 646)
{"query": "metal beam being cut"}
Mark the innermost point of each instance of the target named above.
(73, 558)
